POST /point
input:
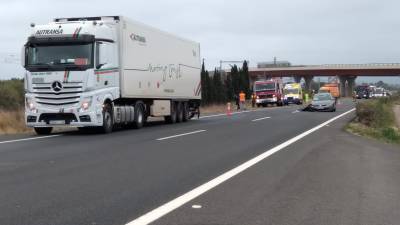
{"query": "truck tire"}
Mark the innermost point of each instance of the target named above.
(108, 122)
(139, 116)
(179, 112)
(172, 118)
(186, 112)
(43, 130)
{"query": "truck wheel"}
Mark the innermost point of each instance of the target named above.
(186, 112)
(179, 112)
(172, 118)
(43, 130)
(139, 116)
(108, 123)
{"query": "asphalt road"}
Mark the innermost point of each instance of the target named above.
(327, 177)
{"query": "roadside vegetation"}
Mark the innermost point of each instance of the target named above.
(12, 119)
(376, 119)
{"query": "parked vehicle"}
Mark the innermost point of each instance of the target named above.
(293, 94)
(363, 91)
(268, 92)
(108, 71)
(379, 92)
(323, 102)
(332, 88)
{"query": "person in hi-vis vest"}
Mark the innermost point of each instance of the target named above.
(242, 98)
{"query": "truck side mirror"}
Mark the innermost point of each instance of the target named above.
(101, 55)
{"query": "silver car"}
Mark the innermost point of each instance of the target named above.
(323, 102)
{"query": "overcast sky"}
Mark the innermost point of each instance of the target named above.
(300, 31)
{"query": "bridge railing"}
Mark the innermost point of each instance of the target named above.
(368, 65)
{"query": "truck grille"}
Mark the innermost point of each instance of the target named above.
(265, 96)
(68, 95)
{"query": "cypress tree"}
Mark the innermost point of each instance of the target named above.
(235, 80)
(246, 79)
(209, 89)
(219, 90)
(229, 88)
(203, 84)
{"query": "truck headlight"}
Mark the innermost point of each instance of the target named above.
(30, 104)
(86, 103)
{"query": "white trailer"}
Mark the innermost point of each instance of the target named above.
(102, 72)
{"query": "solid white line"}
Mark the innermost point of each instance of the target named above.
(261, 119)
(239, 112)
(28, 139)
(179, 135)
(183, 199)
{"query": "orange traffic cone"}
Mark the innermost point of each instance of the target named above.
(228, 109)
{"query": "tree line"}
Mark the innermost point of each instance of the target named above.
(221, 88)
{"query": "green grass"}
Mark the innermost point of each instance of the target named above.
(376, 119)
(11, 94)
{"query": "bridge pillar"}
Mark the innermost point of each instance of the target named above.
(308, 80)
(350, 85)
(297, 79)
(347, 85)
(342, 87)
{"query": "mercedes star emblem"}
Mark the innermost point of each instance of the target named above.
(56, 86)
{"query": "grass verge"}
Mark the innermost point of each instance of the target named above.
(13, 122)
(376, 119)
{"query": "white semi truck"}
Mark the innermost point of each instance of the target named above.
(103, 72)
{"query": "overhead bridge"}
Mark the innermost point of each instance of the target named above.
(347, 73)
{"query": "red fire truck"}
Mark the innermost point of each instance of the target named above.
(269, 92)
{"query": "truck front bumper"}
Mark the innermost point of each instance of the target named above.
(292, 101)
(45, 117)
(266, 100)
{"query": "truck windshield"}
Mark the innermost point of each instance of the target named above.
(60, 57)
(265, 87)
(291, 91)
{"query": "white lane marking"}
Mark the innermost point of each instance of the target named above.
(179, 135)
(185, 198)
(196, 206)
(215, 115)
(29, 139)
(261, 119)
(239, 112)
(296, 111)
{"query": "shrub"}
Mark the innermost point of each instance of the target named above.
(12, 94)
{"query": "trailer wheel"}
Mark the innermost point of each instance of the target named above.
(172, 118)
(108, 122)
(139, 116)
(43, 130)
(186, 111)
(179, 112)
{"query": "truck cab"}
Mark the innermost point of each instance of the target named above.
(71, 69)
(268, 92)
